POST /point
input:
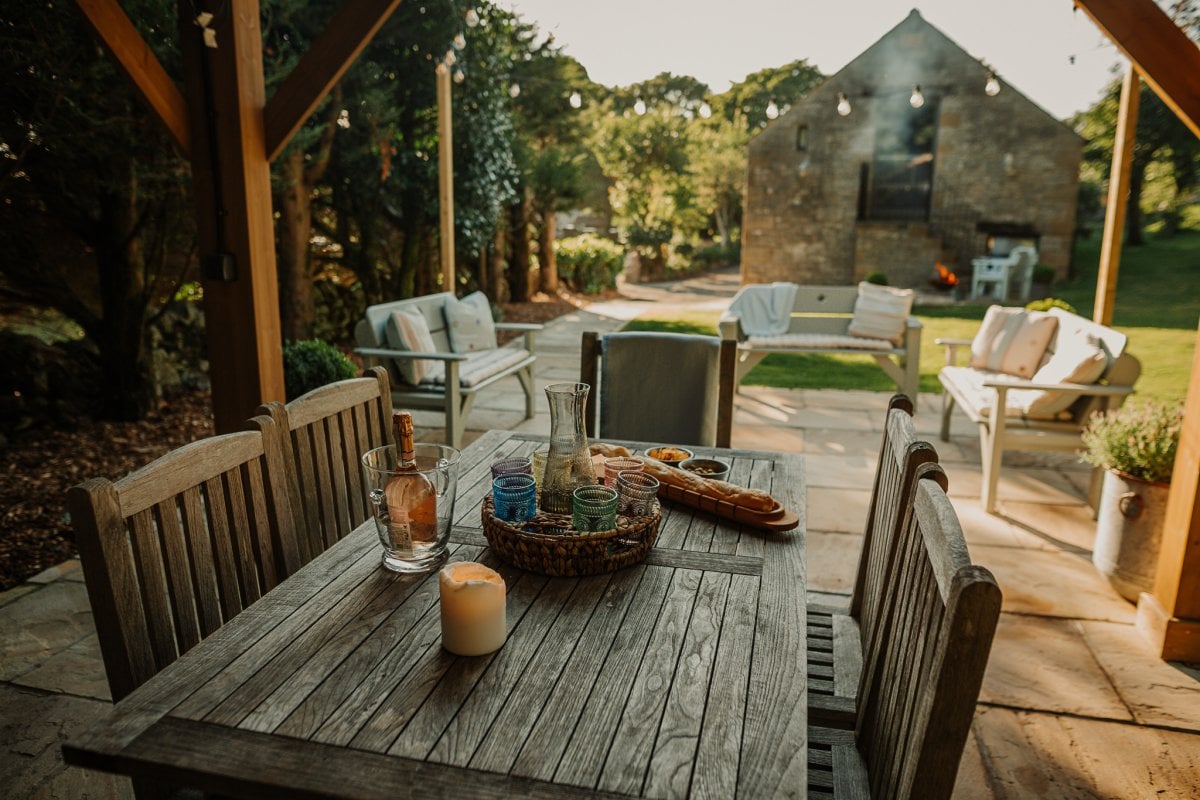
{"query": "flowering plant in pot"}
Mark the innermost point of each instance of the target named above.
(1136, 446)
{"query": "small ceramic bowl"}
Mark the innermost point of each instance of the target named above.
(670, 455)
(707, 467)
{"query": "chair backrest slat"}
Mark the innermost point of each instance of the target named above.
(327, 431)
(174, 550)
(938, 616)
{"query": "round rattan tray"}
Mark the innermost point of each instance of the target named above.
(547, 544)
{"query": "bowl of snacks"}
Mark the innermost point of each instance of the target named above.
(707, 467)
(671, 456)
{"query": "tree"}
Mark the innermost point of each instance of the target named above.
(748, 99)
(95, 209)
(718, 158)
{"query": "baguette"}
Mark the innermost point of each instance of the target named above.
(723, 491)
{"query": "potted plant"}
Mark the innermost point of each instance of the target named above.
(1041, 281)
(1136, 446)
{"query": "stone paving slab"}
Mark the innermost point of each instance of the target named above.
(1045, 664)
(832, 561)
(837, 510)
(1038, 755)
(42, 623)
(77, 670)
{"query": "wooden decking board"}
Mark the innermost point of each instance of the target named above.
(708, 562)
(625, 768)
(395, 711)
(582, 761)
(457, 712)
(674, 753)
(506, 734)
(543, 748)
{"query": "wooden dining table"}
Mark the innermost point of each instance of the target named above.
(681, 676)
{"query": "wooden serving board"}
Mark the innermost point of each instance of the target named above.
(777, 519)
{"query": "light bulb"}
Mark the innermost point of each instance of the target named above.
(450, 58)
(917, 100)
(705, 111)
(576, 100)
(992, 87)
(843, 106)
(460, 41)
(459, 76)
(514, 90)
(639, 107)
(471, 17)
(772, 110)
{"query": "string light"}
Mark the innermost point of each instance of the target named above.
(514, 91)
(992, 87)
(459, 75)
(772, 110)
(450, 58)
(917, 99)
(639, 107)
(460, 41)
(843, 105)
(471, 17)
(705, 111)
(576, 100)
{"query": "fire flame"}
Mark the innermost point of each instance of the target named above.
(945, 276)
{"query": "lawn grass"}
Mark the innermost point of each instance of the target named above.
(1157, 306)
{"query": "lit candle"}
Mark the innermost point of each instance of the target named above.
(472, 598)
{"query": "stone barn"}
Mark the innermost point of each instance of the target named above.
(915, 153)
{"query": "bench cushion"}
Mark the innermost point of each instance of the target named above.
(484, 364)
(881, 312)
(1080, 360)
(966, 384)
(407, 329)
(819, 341)
(470, 324)
(1012, 341)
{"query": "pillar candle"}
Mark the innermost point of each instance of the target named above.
(472, 600)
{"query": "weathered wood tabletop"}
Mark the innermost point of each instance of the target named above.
(683, 676)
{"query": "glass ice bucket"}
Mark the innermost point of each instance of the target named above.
(413, 508)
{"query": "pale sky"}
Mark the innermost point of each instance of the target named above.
(1028, 42)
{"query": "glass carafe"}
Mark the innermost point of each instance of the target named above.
(569, 464)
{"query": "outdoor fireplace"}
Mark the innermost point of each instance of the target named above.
(944, 280)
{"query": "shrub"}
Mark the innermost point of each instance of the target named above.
(1138, 439)
(1043, 273)
(1049, 303)
(310, 363)
(588, 263)
(717, 255)
(877, 278)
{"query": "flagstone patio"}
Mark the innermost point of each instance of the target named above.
(1074, 703)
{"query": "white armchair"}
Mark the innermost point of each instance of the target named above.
(999, 272)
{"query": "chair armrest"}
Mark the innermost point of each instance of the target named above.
(730, 327)
(379, 352)
(519, 326)
(913, 322)
(1096, 389)
(530, 328)
(952, 347)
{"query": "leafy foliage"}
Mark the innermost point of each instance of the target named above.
(589, 264)
(1138, 439)
(1048, 303)
(311, 363)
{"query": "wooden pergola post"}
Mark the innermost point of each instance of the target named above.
(231, 180)
(1118, 198)
(445, 178)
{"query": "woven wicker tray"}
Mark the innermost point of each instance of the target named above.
(548, 545)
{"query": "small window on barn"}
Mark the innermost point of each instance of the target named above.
(802, 137)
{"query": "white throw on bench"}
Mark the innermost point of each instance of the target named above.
(466, 371)
(1039, 389)
(826, 320)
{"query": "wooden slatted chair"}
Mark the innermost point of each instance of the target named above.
(673, 388)
(838, 637)
(920, 685)
(176, 549)
(327, 432)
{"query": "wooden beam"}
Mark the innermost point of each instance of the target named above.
(347, 33)
(1170, 618)
(232, 189)
(1164, 55)
(1118, 198)
(445, 178)
(138, 62)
